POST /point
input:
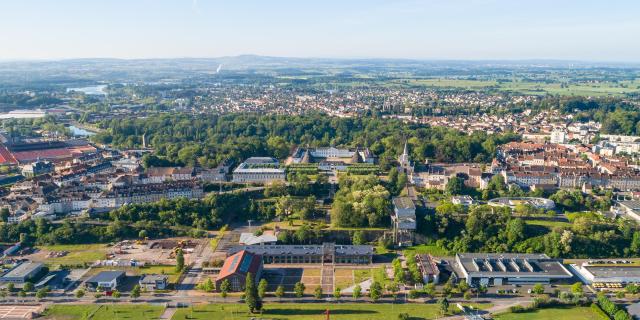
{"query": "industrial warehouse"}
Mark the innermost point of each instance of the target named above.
(604, 274)
(328, 253)
(489, 269)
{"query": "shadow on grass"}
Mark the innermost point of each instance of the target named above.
(385, 257)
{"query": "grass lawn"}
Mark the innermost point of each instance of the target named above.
(360, 275)
(584, 313)
(103, 312)
(161, 269)
(78, 253)
(549, 224)
(379, 275)
(427, 249)
(309, 311)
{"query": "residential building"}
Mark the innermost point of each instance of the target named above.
(37, 168)
(152, 282)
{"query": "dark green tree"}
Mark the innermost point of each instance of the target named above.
(251, 297)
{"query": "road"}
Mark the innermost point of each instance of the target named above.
(203, 252)
(248, 189)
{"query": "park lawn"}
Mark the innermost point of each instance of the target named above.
(431, 249)
(549, 224)
(361, 275)
(78, 253)
(103, 312)
(583, 313)
(313, 311)
(380, 276)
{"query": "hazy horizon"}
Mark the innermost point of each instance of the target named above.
(470, 60)
(435, 30)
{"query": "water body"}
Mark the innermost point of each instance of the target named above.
(91, 90)
(79, 132)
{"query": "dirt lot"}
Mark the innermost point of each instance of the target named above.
(158, 252)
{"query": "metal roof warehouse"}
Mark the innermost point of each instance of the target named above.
(326, 253)
(512, 268)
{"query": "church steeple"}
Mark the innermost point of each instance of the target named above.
(404, 161)
(405, 153)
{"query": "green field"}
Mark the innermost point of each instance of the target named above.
(453, 83)
(530, 87)
(583, 313)
(306, 311)
(549, 224)
(78, 253)
(426, 249)
(102, 312)
(361, 275)
(577, 89)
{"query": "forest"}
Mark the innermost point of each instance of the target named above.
(207, 140)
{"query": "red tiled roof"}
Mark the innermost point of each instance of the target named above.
(242, 262)
(5, 156)
(48, 154)
(27, 156)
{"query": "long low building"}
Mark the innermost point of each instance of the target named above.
(259, 170)
(326, 253)
(631, 208)
(509, 268)
(22, 273)
(613, 272)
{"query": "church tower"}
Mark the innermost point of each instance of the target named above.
(404, 161)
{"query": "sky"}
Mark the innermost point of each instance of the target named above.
(605, 30)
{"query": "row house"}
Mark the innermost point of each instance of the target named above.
(162, 174)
